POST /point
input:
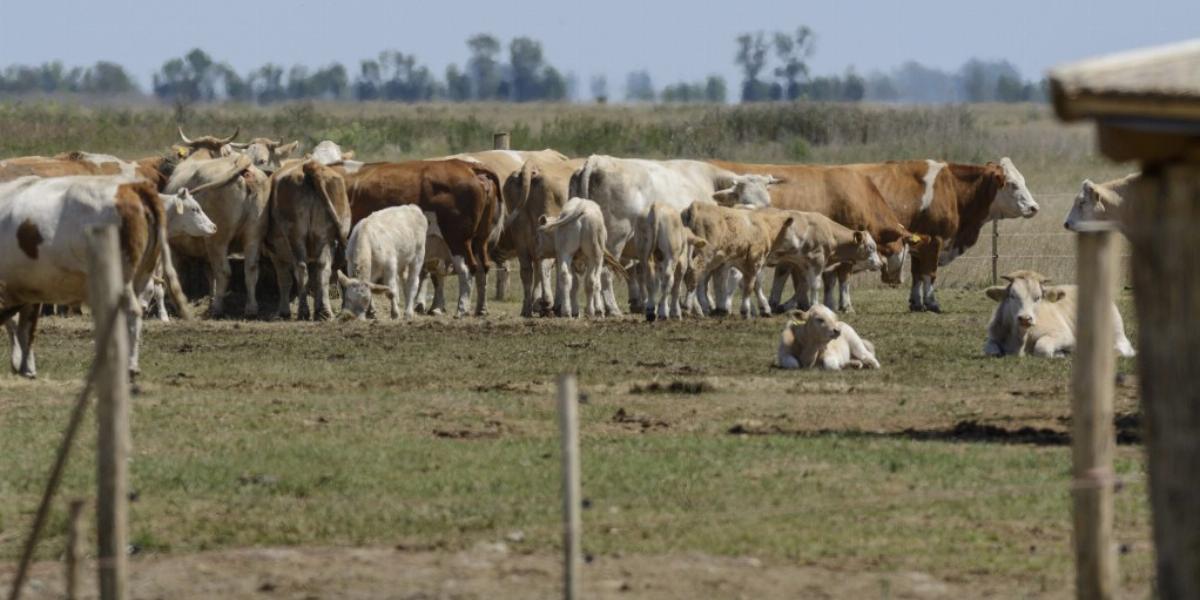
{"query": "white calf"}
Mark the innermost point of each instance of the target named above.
(579, 230)
(385, 245)
(817, 339)
(666, 255)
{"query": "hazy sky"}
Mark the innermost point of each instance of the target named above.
(673, 40)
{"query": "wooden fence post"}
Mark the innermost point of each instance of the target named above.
(106, 293)
(74, 560)
(568, 420)
(1092, 436)
(995, 250)
(501, 140)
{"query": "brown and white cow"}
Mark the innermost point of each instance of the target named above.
(465, 196)
(234, 194)
(84, 163)
(309, 220)
(43, 249)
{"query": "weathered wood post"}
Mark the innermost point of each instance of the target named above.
(568, 420)
(74, 555)
(501, 140)
(105, 294)
(1092, 437)
(995, 250)
(1147, 107)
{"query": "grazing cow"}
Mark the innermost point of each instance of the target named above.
(309, 218)
(666, 258)
(817, 339)
(538, 189)
(814, 244)
(624, 189)
(383, 247)
(266, 154)
(234, 194)
(464, 195)
(1034, 318)
(579, 231)
(43, 249)
(1101, 201)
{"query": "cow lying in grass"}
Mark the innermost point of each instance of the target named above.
(1034, 318)
(386, 245)
(817, 339)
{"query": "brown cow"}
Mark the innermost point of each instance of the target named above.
(465, 197)
(309, 217)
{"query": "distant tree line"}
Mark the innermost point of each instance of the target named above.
(774, 68)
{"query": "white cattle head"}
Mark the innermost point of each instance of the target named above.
(357, 294)
(814, 327)
(1019, 299)
(1013, 199)
(328, 153)
(184, 215)
(747, 190)
(266, 154)
(1092, 204)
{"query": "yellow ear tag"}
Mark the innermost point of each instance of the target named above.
(795, 323)
(182, 152)
(914, 238)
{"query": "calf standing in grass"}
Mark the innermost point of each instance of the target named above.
(384, 246)
(813, 243)
(817, 339)
(666, 256)
(1033, 318)
(579, 230)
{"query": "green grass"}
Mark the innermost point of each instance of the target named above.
(442, 433)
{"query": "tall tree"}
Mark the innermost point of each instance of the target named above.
(639, 87)
(525, 57)
(793, 52)
(599, 87)
(482, 66)
(752, 57)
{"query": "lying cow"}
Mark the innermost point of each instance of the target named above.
(1101, 201)
(385, 246)
(579, 231)
(666, 257)
(43, 249)
(817, 339)
(814, 244)
(1033, 318)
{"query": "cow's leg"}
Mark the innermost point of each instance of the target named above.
(637, 295)
(782, 272)
(720, 299)
(318, 273)
(927, 286)
(701, 292)
(528, 285)
(133, 324)
(812, 283)
(218, 264)
(545, 276)
(300, 268)
(438, 280)
(591, 288)
(250, 273)
(391, 278)
(479, 253)
(21, 334)
(412, 286)
(459, 264)
(748, 295)
(764, 305)
(283, 280)
(829, 287)
(649, 287)
(843, 280)
(562, 288)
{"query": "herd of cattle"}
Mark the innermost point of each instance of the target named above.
(670, 228)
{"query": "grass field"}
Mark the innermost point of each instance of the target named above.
(420, 459)
(439, 435)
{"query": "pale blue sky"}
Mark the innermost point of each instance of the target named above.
(673, 40)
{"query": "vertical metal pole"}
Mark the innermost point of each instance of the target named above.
(74, 562)
(1092, 437)
(501, 140)
(995, 250)
(105, 287)
(568, 420)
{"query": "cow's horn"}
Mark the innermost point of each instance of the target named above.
(183, 137)
(230, 138)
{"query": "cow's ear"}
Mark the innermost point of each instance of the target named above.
(1053, 294)
(1089, 189)
(179, 202)
(698, 242)
(996, 292)
(542, 220)
(798, 316)
(725, 197)
(342, 279)
(288, 149)
(347, 155)
(859, 238)
(383, 289)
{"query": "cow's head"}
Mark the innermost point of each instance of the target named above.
(866, 253)
(357, 294)
(184, 215)
(1019, 299)
(266, 154)
(205, 146)
(747, 190)
(894, 249)
(1013, 199)
(328, 153)
(816, 326)
(1091, 204)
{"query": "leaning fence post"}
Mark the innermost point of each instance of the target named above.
(501, 140)
(105, 295)
(568, 420)
(995, 249)
(1092, 437)
(74, 561)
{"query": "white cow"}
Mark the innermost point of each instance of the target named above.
(385, 246)
(43, 249)
(328, 152)
(624, 188)
(184, 217)
(1033, 318)
(579, 231)
(817, 339)
(1101, 201)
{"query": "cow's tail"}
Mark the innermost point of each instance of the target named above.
(316, 177)
(562, 219)
(585, 175)
(615, 265)
(160, 251)
(500, 216)
(650, 244)
(526, 182)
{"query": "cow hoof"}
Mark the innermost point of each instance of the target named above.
(916, 307)
(718, 312)
(28, 374)
(933, 308)
(849, 310)
(437, 312)
(327, 316)
(650, 316)
(251, 311)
